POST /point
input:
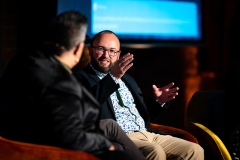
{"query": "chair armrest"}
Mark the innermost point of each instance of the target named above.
(168, 129)
(14, 150)
(211, 143)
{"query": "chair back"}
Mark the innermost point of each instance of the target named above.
(205, 119)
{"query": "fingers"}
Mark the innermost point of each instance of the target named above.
(111, 148)
(122, 65)
(175, 89)
(169, 89)
(165, 88)
(173, 94)
(154, 87)
(168, 86)
(126, 60)
(127, 67)
(171, 98)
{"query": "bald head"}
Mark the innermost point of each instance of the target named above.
(99, 36)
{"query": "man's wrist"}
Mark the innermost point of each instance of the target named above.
(162, 104)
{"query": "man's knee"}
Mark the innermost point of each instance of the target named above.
(152, 151)
(197, 152)
(113, 131)
(109, 125)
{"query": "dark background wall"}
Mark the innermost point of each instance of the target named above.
(192, 68)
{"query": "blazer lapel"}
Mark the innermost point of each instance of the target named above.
(95, 79)
(91, 74)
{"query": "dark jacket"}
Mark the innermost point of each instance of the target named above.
(41, 102)
(102, 89)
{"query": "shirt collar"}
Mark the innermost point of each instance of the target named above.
(99, 74)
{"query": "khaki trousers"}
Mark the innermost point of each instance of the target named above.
(162, 147)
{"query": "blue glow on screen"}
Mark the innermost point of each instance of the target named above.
(141, 19)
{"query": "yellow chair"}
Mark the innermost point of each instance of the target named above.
(205, 120)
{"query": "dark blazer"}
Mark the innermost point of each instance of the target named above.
(41, 102)
(102, 89)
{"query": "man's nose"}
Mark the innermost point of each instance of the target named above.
(106, 53)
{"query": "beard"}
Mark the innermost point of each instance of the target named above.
(97, 65)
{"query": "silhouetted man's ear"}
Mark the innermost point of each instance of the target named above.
(78, 50)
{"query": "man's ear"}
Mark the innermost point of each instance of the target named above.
(79, 49)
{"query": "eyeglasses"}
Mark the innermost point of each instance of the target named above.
(101, 50)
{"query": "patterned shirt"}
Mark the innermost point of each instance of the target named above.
(127, 116)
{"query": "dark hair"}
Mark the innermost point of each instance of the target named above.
(65, 31)
(101, 32)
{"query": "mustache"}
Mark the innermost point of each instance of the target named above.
(97, 65)
(103, 58)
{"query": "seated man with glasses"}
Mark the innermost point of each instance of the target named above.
(121, 99)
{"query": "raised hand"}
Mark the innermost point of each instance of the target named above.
(122, 65)
(165, 93)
